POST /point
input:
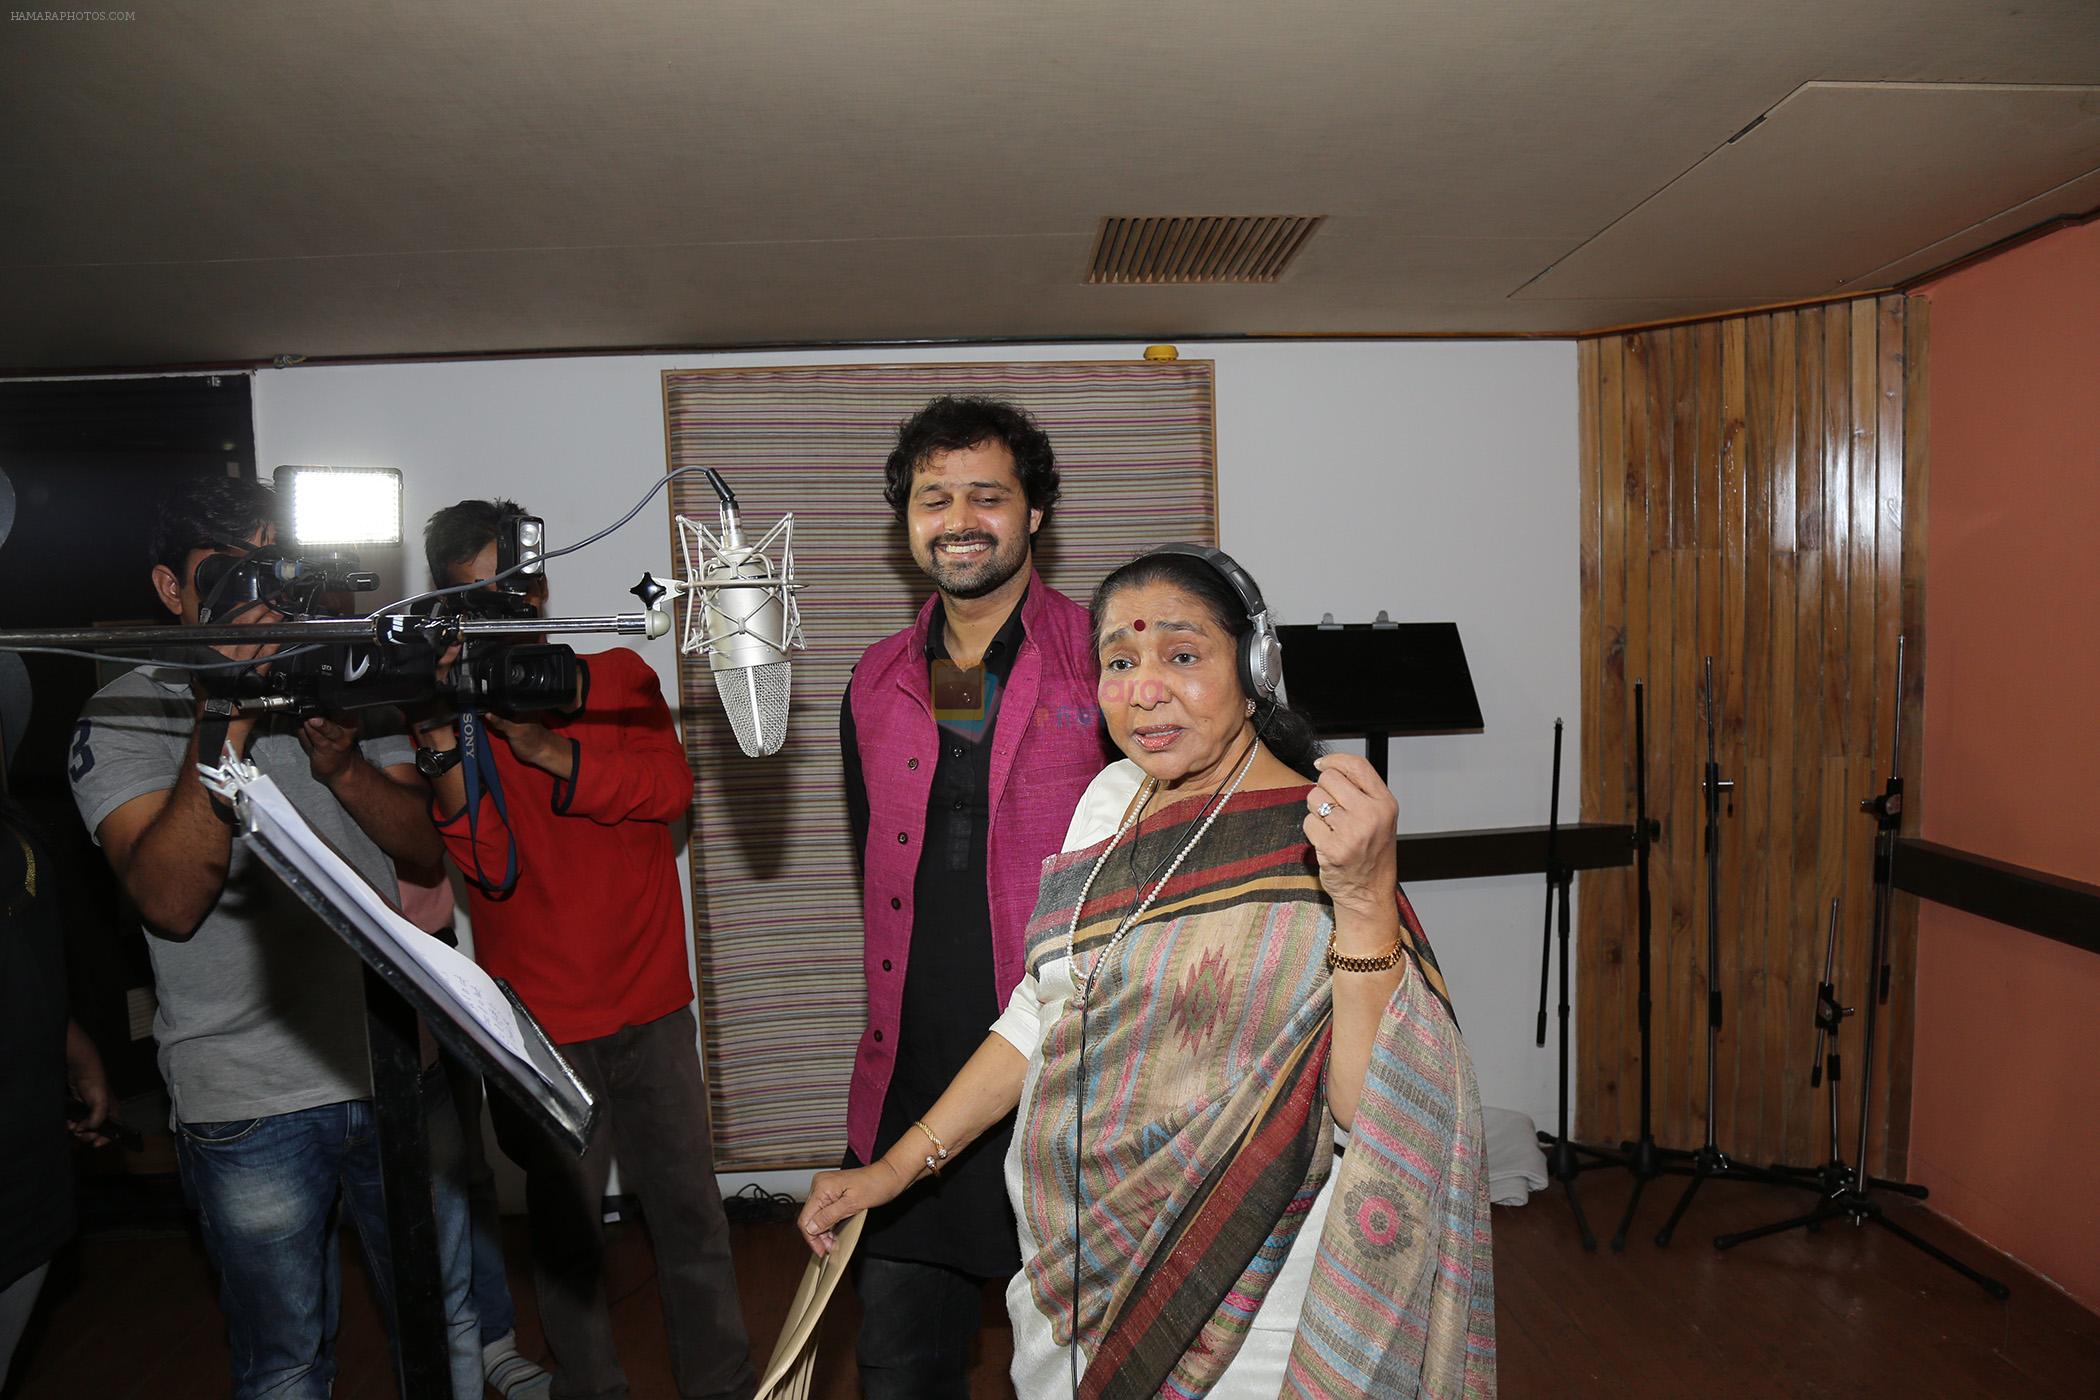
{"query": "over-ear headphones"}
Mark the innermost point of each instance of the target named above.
(1260, 652)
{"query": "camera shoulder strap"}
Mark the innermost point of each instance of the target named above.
(478, 769)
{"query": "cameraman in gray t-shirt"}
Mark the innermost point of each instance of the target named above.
(260, 1024)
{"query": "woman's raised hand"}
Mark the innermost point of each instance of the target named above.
(835, 1196)
(1350, 820)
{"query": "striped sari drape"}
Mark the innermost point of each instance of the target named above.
(1182, 1118)
(776, 892)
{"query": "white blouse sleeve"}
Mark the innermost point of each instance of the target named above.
(1021, 1024)
(1102, 805)
(1099, 813)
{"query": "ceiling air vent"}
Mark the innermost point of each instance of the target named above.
(1195, 248)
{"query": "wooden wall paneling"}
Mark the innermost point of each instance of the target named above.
(1781, 884)
(1669, 913)
(1749, 493)
(1712, 587)
(1864, 681)
(1681, 648)
(1590, 1017)
(1646, 355)
(1678, 651)
(1808, 895)
(1753, 472)
(1617, 981)
(1743, 1020)
(1699, 559)
(1904, 472)
(1688, 649)
(1840, 740)
(1836, 506)
(1631, 408)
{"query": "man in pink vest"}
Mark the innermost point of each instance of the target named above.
(967, 741)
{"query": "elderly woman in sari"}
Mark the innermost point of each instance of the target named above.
(1249, 1158)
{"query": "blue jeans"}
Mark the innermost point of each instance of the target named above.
(493, 1308)
(266, 1191)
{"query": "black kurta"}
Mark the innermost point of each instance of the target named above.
(960, 1220)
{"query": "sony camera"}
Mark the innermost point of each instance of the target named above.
(494, 674)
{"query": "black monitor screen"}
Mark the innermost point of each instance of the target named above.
(1410, 678)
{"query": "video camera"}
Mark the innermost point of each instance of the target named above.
(230, 586)
(400, 667)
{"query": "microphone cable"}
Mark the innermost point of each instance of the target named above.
(1078, 1188)
(1079, 1076)
(636, 509)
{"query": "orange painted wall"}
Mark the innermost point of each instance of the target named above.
(2006, 1082)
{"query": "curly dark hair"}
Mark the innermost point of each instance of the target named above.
(953, 422)
(212, 512)
(454, 535)
(1288, 734)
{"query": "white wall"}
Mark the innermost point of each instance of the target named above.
(1435, 480)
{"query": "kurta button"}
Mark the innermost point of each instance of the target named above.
(911, 763)
(903, 838)
(896, 903)
(878, 1037)
(885, 964)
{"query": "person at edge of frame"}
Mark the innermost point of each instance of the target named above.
(260, 1023)
(967, 740)
(592, 938)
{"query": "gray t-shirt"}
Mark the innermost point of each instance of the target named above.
(262, 1009)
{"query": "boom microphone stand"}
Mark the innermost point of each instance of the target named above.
(1848, 1189)
(385, 628)
(1829, 1020)
(1566, 1159)
(1709, 1162)
(1642, 1157)
(1564, 1156)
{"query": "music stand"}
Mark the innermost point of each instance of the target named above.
(1380, 679)
(474, 1016)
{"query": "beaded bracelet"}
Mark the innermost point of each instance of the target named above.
(1339, 962)
(940, 1149)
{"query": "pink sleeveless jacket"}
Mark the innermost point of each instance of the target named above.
(1047, 746)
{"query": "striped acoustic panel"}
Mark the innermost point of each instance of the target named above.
(775, 878)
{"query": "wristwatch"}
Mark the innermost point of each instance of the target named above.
(436, 763)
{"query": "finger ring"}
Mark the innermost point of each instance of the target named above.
(1326, 810)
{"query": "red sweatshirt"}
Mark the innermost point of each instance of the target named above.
(592, 938)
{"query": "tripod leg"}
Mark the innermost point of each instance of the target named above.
(1582, 1223)
(1981, 1280)
(1618, 1239)
(1809, 1221)
(1684, 1203)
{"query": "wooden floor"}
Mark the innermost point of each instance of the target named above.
(1848, 1312)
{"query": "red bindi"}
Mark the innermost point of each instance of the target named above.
(1138, 625)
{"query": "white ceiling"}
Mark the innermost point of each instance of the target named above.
(235, 181)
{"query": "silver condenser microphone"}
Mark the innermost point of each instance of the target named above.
(746, 620)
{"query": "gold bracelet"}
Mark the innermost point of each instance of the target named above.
(1338, 962)
(940, 1149)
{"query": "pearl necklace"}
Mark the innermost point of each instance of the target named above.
(1083, 981)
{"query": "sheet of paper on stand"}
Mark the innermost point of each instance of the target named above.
(476, 993)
